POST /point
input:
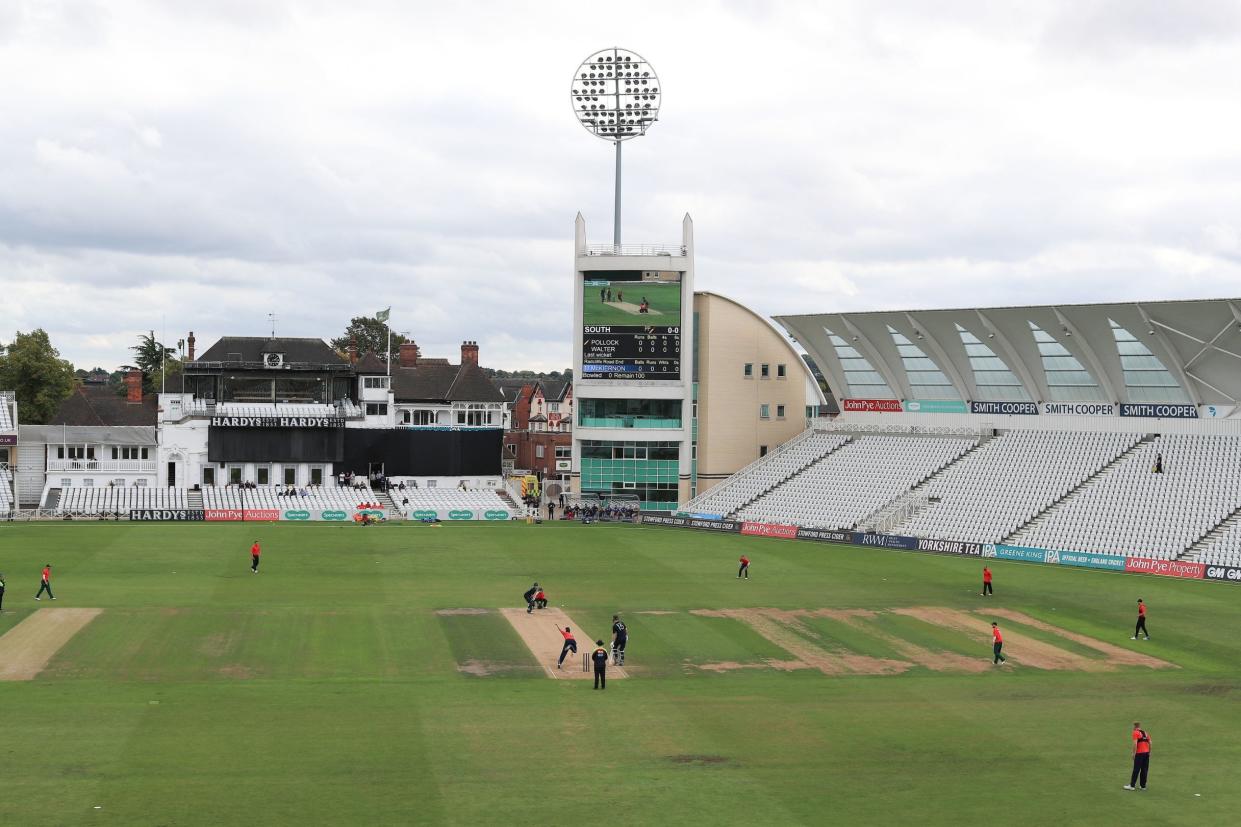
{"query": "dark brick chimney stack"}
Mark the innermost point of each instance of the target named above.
(190, 342)
(353, 350)
(469, 352)
(408, 355)
(133, 387)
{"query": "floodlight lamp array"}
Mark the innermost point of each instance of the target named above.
(615, 95)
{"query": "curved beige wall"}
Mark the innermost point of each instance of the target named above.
(730, 429)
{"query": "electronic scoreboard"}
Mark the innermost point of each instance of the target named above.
(631, 352)
(631, 326)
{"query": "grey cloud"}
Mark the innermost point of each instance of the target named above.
(876, 155)
(1114, 28)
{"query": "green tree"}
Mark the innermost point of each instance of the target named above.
(41, 380)
(153, 358)
(371, 336)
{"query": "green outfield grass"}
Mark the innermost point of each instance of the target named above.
(665, 301)
(327, 689)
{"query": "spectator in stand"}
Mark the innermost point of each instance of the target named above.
(1158, 463)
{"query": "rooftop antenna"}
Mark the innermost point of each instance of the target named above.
(615, 96)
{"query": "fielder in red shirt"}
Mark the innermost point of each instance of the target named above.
(745, 568)
(1140, 629)
(986, 581)
(997, 644)
(254, 557)
(46, 584)
(1141, 756)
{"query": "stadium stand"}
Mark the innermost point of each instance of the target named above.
(1224, 548)
(204, 407)
(759, 477)
(311, 497)
(6, 490)
(849, 484)
(6, 418)
(92, 500)
(1010, 480)
(412, 499)
(1128, 509)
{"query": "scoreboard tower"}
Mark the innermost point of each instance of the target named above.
(633, 383)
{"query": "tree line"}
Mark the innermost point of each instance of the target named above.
(41, 380)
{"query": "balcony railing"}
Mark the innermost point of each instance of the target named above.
(628, 422)
(131, 465)
(635, 250)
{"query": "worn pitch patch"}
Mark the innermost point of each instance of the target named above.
(785, 628)
(538, 632)
(26, 648)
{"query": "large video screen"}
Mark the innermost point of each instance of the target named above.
(631, 325)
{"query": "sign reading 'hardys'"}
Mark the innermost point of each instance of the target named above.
(277, 422)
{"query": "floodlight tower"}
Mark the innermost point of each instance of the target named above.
(615, 96)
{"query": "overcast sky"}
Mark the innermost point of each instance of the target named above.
(197, 164)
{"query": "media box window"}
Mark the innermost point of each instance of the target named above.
(376, 408)
(375, 382)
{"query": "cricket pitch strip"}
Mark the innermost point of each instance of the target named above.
(538, 632)
(26, 648)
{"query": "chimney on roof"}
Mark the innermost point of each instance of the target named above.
(469, 352)
(133, 386)
(408, 355)
(190, 342)
(353, 350)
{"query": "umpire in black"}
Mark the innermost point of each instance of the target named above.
(1, 591)
(600, 658)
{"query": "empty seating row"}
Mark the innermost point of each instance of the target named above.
(846, 486)
(1225, 548)
(307, 498)
(1009, 480)
(1130, 509)
(118, 499)
(773, 469)
(411, 500)
(6, 490)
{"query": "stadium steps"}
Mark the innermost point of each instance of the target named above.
(1016, 537)
(194, 499)
(788, 478)
(909, 499)
(1195, 551)
(508, 499)
(389, 504)
(53, 499)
